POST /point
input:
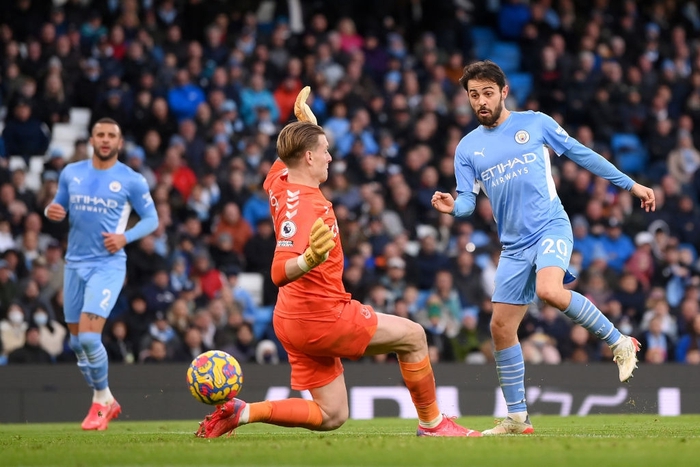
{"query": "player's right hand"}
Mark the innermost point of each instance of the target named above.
(320, 244)
(443, 202)
(55, 212)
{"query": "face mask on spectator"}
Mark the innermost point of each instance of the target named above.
(15, 316)
(41, 319)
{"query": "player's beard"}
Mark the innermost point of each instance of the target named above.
(111, 154)
(490, 120)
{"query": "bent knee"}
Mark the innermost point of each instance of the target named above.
(335, 420)
(552, 294)
(416, 337)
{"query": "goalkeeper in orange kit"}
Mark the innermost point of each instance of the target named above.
(315, 319)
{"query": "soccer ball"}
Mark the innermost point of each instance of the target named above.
(214, 377)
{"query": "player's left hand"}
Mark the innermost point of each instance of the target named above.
(646, 195)
(114, 241)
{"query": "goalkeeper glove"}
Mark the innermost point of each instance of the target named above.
(301, 109)
(320, 244)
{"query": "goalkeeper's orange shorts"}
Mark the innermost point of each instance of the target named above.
(316, 347)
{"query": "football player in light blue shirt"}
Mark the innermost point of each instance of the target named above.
(98, 194)
(507, 157)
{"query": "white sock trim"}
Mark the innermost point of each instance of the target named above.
(102, 396)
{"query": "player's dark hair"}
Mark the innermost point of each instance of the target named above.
(485, 70)
(106, 120)
(295, 139)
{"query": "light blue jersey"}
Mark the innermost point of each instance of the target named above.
(100, 201)
(511, 164)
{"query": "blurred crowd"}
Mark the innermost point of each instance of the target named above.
(202, 88)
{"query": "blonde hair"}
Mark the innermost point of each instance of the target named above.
(295, 139)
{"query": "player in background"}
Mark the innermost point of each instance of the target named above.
(315, 319)
(99, 194)
(507, 157)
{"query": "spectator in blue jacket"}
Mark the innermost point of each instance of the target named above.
(257, 95)
(184, 97)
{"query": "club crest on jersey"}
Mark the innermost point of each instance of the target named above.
(288, 229)
(115, 186)
(522, 137)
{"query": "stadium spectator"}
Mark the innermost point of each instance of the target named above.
(31, 352)
(24, 134)
(52, 334)
(13, 328)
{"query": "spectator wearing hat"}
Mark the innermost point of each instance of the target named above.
(267, 353)
(136, 159)
(24, 134)
(641, 263)
(31, 351)
(56, 160)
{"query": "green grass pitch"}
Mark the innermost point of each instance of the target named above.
(599, 440)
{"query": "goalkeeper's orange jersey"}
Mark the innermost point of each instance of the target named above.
(319, 293)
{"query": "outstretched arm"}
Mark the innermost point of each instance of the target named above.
(597, 164)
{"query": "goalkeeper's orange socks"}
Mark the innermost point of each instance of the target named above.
(420, 382)
(288, 412)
